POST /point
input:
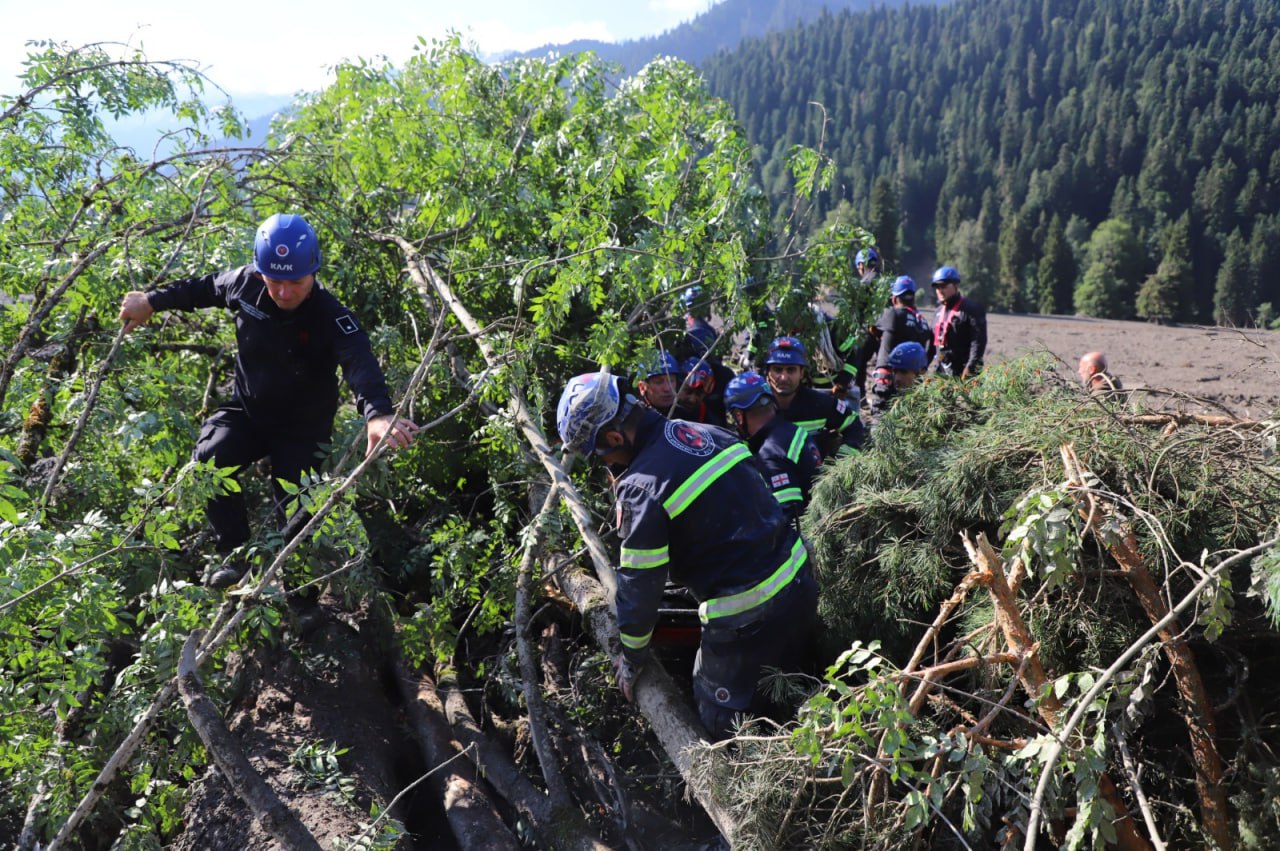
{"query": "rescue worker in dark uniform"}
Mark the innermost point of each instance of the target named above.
(691, 398)
(959, 328)
(658, 381)
(692, 505)
(785, 453)
(292, 336)
(701, 342)
(907, 362)
(833, 423)
(863, 347)
(900, 323)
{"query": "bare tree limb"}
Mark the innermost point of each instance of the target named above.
(1197, 709)
(276, 818)
(1036, 682)
(472, 817)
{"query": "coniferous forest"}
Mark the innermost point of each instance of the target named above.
(1117, 158)
(1046, 616)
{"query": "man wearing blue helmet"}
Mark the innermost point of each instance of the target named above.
(787, 456)
(292, 336)
(831, 421)
(899, 323)
(907, 362)
(658, 382)
(691, 505)
(959, 340)
(867, 262)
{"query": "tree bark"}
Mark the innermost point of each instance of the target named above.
(1197, 710)
(557, 828)
(472, 817)
(1036, 682)
(276, 818)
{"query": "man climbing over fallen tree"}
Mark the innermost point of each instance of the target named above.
(292, 336)
(692, 504)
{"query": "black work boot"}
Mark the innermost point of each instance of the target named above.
(226, 576)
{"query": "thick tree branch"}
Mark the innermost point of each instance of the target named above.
(472, 817)
(1197, 709)
(276, 818)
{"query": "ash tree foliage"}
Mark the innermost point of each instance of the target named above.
(564, 211)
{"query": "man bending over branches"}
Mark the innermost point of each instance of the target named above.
(291, 335)
(693, 505)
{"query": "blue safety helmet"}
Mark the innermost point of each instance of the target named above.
(690, 297)
(664, 364)
(698, 374)
(286, 248)
(946, 275)
(786, 350)
(746, 390)
(908, 356)
(589, 403)
(700, 334)
(905, 284)
(866, 257)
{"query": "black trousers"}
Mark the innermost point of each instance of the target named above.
(230, 439)
(730, 660)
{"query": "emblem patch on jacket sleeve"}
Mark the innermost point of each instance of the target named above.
(347, 324)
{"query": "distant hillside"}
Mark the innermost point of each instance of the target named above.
(721, 27)
(1112, 157)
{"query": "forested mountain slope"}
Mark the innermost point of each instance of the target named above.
(721, 27)
(1006, 132)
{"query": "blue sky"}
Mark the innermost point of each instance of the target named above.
(260, 51)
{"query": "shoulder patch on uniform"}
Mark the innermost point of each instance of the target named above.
(347, 324)
(842, 406)
(685, 437)
(781, 480)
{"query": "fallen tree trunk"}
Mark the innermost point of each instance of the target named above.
(557, 828)
(672, 718)
(276, 818)
(472, 817)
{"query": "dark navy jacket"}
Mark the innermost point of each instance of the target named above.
(959, 336)
(831, 422)
(693, 505)
(287, 362)
(901, 325)
(789, 460)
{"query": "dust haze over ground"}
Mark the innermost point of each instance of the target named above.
(1233, 369)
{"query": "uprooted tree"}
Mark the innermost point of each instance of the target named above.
(1062, 653)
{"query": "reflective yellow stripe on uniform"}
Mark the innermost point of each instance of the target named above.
(797, 444)
(788, 495)
(644, 559)
(811, 426)
(720, 607)
(632, 642)
(703, 478)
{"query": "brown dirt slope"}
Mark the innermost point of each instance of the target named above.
(1222, 368)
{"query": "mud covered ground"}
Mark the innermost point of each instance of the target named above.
(1235, 370)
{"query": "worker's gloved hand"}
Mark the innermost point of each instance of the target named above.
(626, 673)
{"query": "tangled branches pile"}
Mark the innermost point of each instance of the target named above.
(1047, 691)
